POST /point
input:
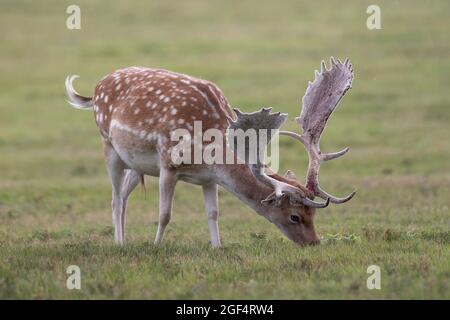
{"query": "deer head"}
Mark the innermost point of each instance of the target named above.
(291, 206)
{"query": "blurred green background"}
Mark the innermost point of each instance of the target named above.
(55, 194)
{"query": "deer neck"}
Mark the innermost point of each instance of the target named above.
(239, 180)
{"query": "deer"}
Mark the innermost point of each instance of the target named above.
(137, 108)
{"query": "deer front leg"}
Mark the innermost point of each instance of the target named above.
(210, 194)
(167, 183)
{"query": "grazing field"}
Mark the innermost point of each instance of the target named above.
(55, 194)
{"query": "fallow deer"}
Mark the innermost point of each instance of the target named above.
(137, 108)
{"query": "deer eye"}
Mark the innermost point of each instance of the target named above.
(295, 219)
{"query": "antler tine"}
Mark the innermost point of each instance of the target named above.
(323, 67)
(260, 122)
(325, 195)
(237, 111)
(334, 155)
(320, 100)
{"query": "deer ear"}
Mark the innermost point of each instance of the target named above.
(290, 175)
(270, 201)
(273, 201)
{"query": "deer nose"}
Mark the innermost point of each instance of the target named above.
(315, 242)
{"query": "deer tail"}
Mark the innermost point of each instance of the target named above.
(74, 98)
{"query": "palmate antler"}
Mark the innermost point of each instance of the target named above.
(263, 125)
(320, 100)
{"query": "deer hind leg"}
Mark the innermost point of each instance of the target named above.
(123, 182)
(130, 180)
(210, 194)
(167, 183)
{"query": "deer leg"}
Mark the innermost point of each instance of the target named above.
(167, 182)
(210, 194)
(116, 167)
(130, 180)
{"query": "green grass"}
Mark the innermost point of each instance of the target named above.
(55, 194)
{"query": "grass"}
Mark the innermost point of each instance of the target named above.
(55, 194)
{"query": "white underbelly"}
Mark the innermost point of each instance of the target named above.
(145, 162)
(145, 158)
